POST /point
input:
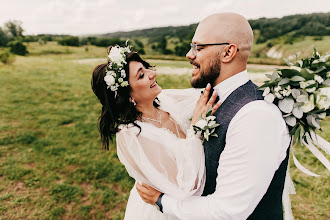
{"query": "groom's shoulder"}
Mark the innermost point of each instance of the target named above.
(261, 107)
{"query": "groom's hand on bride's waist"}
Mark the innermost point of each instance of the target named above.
(147, 193)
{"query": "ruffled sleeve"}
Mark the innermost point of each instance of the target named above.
(180, 103)
(160, 159)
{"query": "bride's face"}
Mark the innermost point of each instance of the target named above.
(143, 83)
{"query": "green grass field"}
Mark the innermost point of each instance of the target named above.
(51, 162)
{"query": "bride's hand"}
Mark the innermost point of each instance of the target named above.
(204, 103)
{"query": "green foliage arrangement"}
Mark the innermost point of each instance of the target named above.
(301, 94)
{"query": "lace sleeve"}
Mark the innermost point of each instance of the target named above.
(171, 165)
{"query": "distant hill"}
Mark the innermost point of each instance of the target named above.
(316, 24)
(156, 33)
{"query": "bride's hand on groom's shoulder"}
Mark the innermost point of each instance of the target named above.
(147, 193)
(204, 103)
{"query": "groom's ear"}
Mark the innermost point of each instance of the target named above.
(229, 53)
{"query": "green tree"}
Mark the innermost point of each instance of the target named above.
(3, 38)
(14, 29)
(138, 46)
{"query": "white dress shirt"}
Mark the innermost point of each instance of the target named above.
(256, 143)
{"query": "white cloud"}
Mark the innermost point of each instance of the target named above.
(104, 16)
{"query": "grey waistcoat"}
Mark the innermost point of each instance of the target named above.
(270, 207)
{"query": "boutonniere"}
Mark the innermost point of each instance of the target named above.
(205, 126)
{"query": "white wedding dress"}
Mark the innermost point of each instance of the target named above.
(160, 159)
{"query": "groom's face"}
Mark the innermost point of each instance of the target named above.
(205, 72)
(205, 61)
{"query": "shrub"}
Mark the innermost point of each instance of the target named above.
(6, 57)
(70, 41)
(17, 47)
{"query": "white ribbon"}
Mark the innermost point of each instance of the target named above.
(288, 185)
(323, 144)
(288, 189)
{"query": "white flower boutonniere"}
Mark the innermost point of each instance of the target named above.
(206, 126)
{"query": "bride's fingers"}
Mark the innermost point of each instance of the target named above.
(146, 186)
(215, 107)
(142, 190)
(210, 103)
(212, 99)
(206, 93)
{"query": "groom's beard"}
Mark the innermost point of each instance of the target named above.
(207, 76)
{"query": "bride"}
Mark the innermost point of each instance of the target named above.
(154, 135)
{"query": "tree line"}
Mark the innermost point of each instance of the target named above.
(271, 30)
(287, 28)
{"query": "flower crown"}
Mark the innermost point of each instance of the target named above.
(115, 72)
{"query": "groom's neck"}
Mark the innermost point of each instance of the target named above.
(229, 70)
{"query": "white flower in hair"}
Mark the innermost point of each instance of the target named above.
(109, 79)
(113, 88)
(123, 74)
(116, 55)
(115, 73)
(123, 84)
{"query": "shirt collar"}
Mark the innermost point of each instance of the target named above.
(226, 87)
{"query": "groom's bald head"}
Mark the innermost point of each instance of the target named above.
(226, 27)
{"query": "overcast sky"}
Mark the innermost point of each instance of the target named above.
(104, 16)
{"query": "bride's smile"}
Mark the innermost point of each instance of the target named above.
(143, 83)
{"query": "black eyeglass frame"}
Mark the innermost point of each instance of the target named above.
(194, 46)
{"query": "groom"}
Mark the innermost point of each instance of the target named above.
(246, 164)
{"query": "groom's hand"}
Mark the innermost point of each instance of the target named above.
(147, 193)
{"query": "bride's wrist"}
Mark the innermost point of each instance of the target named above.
(191, 133)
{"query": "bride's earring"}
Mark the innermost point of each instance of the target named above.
(132, 100)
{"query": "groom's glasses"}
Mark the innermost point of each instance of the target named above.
(194, 47)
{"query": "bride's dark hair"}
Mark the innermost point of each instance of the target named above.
(115, 110)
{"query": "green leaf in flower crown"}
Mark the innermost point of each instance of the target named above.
(214, 135)
(297, 79)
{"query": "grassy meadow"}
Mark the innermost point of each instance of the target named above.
(51, 162)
